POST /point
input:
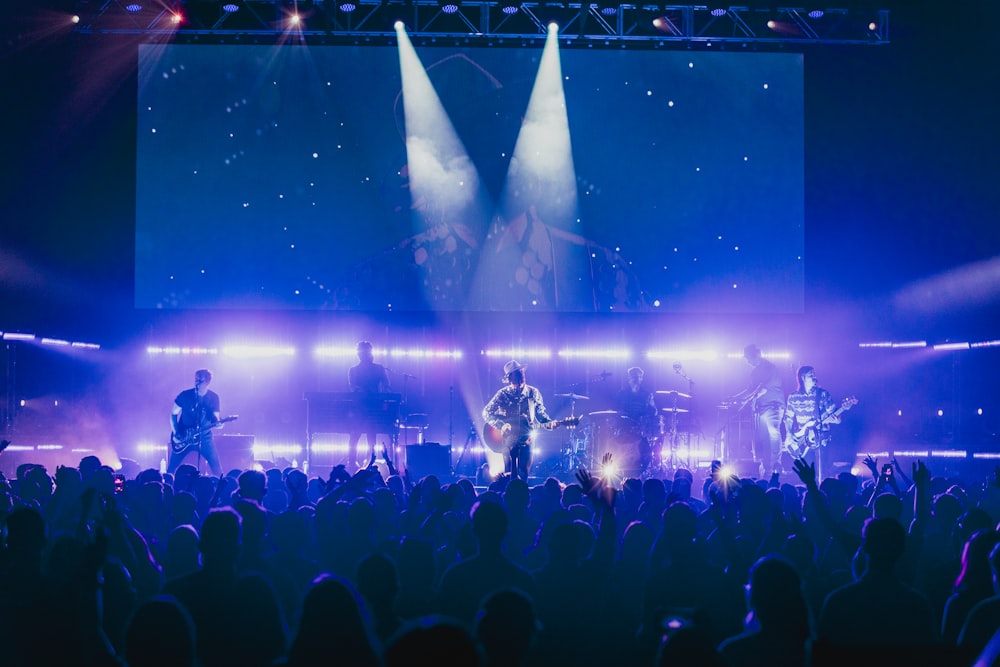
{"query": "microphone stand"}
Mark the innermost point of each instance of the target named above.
(471, 440)
(199, 411)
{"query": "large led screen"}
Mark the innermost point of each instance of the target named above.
(611, 180)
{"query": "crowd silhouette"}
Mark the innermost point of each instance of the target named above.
(274, 568)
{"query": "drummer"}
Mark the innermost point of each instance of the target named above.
(636, 404)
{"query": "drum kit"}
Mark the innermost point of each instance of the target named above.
(649, 446)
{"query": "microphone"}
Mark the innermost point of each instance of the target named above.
(677, 367)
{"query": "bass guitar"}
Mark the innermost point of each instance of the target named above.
(495, 440)
(807, 437)
(183, 440)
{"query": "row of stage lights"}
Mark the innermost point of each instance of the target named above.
(537, 353)
(948, 346)
(668, 21)
(611, 354)
(18, 337)
(614, 353)
(506, 6)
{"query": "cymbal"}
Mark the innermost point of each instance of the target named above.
(672, 410)
(671, 392)
(575, 397)
(602, 412)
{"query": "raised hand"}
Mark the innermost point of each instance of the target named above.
(587, 481)
(805, 472)
(921, 475)
(596, 488)
(872, 464)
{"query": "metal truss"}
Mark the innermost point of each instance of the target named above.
(586, 23)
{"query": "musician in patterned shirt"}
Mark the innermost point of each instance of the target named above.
(810, 409)
(515, 410)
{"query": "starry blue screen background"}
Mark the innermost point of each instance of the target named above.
(267, 175)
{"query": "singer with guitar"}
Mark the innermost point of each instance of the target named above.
(195, 414)
(809, 413)
(513, 412)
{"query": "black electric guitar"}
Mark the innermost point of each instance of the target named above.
(496, 441)
(184, 439)
(808, 436)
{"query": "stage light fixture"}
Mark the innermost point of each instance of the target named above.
(347, 7)
(510, 8)
(718, 12)
(816, 13)
(133, 7)
(55, 341)
(230, 8)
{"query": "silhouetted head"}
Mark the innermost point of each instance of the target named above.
(516, 496)
(438, 641)
(253, 485)
(776, 598)
(365, 351)
(350, 637)
(160, 634)
(506, 625)
(976, 570)
(883, 541)
(489, 523)
(377, 578)
(636, 542)
(680, 522)
(88, 466)
(887, 506)
(221, 538)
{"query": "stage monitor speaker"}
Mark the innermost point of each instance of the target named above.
(430, 458)
(235, 451)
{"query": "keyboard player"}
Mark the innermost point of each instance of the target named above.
(368, 380)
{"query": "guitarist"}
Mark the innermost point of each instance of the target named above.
(766, 397)
(515, 410)
(809, 404)
(195, 413)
